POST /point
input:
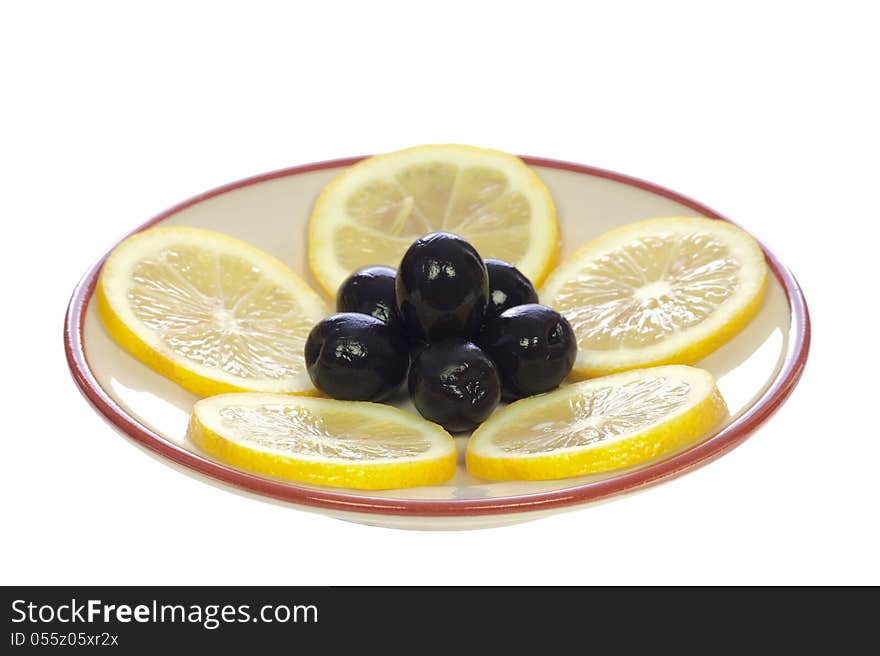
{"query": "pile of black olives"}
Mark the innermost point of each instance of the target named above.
(468, 331)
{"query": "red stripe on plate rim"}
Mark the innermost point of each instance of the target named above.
(697, 456)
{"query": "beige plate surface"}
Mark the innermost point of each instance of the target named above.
(272, 214)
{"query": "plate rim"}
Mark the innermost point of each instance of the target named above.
(701, 454)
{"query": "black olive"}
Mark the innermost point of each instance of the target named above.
(533, 346)
(455, 384)
(370, 291)
(442, 288)
(356, 357)
(507, 288)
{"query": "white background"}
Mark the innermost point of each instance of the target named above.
(766, 111)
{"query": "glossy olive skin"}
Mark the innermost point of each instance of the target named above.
(533, 347)
(370, 290)
(356, 357)
(507, 288)
(454, 383)
(442, 288)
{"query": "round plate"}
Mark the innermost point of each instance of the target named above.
(756, 371)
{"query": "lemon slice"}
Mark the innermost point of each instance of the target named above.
(597, 425)
(374, 210)
(210, 312)
(312, 440)
(660, 291)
